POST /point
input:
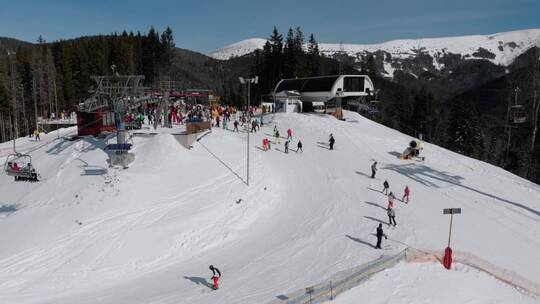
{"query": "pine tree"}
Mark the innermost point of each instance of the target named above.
(312, 58)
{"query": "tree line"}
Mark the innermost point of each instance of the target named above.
(46, 78)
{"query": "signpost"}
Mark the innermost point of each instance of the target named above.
(447, 260)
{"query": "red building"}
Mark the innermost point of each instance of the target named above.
(93, 123)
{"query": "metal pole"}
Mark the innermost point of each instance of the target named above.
(450, 232)
(249, 123)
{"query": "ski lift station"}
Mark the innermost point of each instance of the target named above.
(317, 94)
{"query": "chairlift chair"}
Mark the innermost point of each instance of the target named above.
(518, 114)
(20, 167)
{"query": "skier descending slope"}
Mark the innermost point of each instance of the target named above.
(385, 187)
(299, 147)
(373, 169)
(406, 194)
(215, 277)
(287, 146)
(391, 198)
(380, 234)
(331, 141)
(391, 217)
(289, 134)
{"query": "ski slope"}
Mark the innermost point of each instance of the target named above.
(148, 234)
(403, 283)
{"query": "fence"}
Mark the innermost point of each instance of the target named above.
(351, 278)
(340, 282)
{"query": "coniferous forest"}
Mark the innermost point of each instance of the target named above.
(465, 115)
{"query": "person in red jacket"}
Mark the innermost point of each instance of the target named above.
(289, 134)
(215, 277)
(406, 194)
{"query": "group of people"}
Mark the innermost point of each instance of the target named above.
(277, 140)
(390, 208)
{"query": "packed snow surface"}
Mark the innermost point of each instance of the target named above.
(87, 233)
(504, 46)
(404, 283)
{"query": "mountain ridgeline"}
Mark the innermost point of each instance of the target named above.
(457, 97)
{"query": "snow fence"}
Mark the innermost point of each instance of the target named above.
(340, 282)
(509, 277)
(351, 278)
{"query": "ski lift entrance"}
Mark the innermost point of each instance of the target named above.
(518, 114)
(20, 167)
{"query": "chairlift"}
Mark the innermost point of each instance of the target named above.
(518, 114)
(20, 167)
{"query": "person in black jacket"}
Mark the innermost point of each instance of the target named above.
(373, 169)
(215, 277)
(386, 186)
(299, 147)
(380, 234)
(331, 141)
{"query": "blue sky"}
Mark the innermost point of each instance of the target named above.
(207, 25)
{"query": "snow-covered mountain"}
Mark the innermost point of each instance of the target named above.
(87, 233)
(500, 48)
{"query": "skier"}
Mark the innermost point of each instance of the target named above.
(264, 144)
(253, 126)
(385, 189)
(235, 123)
(299, 147)
(331, 141)
(276, 134)
(380, 234)
(391, 216)
(391, 198)
(225, 124)
(215, 277)
(406, 194)
(287, 146)
(217, 121)
(289, 133)
(36, 135)
(373, 169)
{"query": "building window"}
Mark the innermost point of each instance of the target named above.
(353, 84)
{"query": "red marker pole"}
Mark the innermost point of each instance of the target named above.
(447, 260)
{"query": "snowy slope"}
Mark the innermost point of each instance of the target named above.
(505, 46)
(148, 234)
(403, 283)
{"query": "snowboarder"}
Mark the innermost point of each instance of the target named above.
(391, 216)
(276, 134)
(235, 123)
(287, 146)
(289, 134)
(406, 194)
(380, 234)
(373, 169)
(331, 141)
(299, 147)
(215, 277)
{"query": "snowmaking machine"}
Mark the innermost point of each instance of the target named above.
(413, 151)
